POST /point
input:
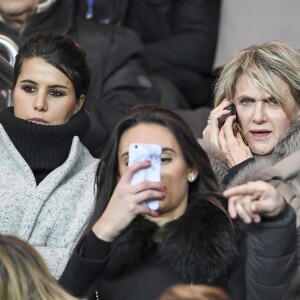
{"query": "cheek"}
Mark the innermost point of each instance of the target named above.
(62, 113)
(280, 127)
(244, 118)
(69, 107)
(20, 105)
(122, 169)
(175, 180)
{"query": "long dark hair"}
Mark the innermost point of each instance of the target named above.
(107, 175)
(62, 53)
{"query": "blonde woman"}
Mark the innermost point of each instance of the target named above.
(24, 274)
(262, 82)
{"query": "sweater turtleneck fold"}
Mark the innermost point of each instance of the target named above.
(43, 147)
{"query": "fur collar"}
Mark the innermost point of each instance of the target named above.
(262, 168)
(289, 143)
(200, 246)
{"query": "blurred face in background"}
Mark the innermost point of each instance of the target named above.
(17, 12)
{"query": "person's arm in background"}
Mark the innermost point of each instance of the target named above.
(89, 259)
(272, 238)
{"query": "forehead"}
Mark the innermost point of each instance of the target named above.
(38, 69)
(248, 87)
(149, 134)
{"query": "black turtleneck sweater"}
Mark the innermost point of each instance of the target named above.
(43, 147)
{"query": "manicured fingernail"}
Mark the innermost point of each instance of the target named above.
(148, 161)
(164, 187)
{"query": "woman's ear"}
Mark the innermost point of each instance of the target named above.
(192, 174)
(79, 104)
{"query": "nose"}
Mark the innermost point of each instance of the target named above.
(41, 103)
(259, 113)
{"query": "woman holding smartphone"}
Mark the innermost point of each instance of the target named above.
(129, 251)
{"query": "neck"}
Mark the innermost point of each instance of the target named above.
(168, 216)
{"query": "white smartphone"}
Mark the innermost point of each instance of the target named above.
(142, 152)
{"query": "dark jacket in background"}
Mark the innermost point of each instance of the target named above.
(180, 38)
(113, 54)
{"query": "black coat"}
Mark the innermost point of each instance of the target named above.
(113, 54)
(202, 247)
(180, 37)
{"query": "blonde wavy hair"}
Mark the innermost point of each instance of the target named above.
(23, 273)
(263, 64)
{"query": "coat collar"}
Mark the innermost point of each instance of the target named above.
(289, 143)
(199, 247)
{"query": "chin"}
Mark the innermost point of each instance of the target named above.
(262, 151)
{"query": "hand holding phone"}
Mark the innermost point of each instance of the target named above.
(142, 152)
(236, 128)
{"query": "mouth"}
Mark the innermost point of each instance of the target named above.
(260, 134)
(38, 121)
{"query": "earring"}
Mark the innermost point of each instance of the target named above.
(192, 178)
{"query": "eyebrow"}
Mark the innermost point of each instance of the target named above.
(249, 97)
(50, 86)
(168, 149)
(124, 154)
(165, 149)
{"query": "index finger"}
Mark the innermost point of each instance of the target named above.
(228, 132)
(246, 189)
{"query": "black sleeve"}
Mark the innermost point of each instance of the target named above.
(232, 172)
(85, 265)
(272, 258)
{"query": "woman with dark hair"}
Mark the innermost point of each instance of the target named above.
(130, 251)
(47, 175)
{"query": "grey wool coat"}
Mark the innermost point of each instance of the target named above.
(281, 167)
(49, 216)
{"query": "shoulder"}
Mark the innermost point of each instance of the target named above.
(108, 34)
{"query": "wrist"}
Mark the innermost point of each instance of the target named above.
(281, 209)
(103, 232)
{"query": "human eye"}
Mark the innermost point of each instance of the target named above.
(165, 159)
(273, 102)
(246, 101)
(56, 93)
(28, 88)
